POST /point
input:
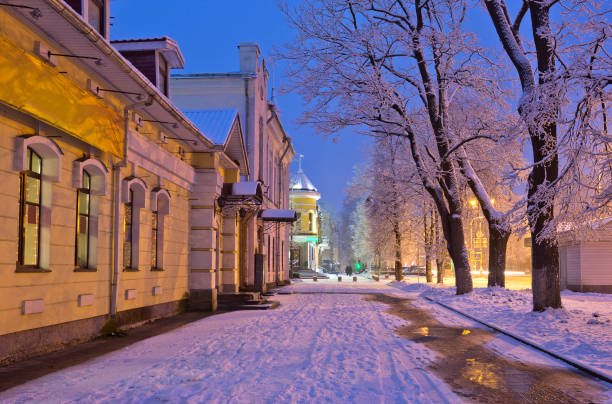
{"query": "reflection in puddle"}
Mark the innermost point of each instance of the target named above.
(476, 373)
(482, 373)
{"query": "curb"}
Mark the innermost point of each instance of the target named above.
(585, 368)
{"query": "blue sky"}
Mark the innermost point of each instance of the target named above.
(208, 32)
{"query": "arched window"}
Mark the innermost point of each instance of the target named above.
(30, 206)
(133, 196)
(89, 177)
(128, 231)
(39, 160)
(83, 222)
(160, 207)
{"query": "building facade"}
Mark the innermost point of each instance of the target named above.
(266, 230)
(305, 233)
(115, 203)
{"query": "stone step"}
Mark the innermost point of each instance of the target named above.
(265, 306)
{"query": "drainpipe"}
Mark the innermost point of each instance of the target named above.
(116, 183)
(279, 264)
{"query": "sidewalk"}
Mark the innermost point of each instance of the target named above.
(27, 370)
(581, 331)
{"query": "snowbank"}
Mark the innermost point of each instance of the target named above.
(581, 330)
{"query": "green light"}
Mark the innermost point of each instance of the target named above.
(358, 266)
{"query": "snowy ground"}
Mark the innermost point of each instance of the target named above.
(581, 331)
(314, 348)
(331, 347)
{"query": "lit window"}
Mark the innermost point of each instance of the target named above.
(83, 222)
(128, 232)
(29, 204)
(154, 238)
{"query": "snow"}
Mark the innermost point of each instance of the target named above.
(314, 348)
(581, 330)
(245, 188)
(323, 344)
(278, 214)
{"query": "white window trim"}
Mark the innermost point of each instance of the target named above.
(139, 189)
(51, 156)
(98, 172)
(158, 195)
(99, 179)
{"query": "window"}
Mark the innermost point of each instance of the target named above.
(128, 231)
(95, 15)
(154, 238)
(29, 208)
(160, 207)
(133, 197)
(163, 76)
(83, 226)
(310, 222)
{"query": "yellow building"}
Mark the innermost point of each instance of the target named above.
(305, 232)
(115, 205)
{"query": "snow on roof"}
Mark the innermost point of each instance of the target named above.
(279, 215)
(300, 182)
(216, 124)
(246, 188)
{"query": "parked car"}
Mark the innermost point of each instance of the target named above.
(414, 270)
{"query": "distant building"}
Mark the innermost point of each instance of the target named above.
(305, 233)
(585, 258)
(264, 236)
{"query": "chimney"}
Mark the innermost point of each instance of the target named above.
(249, 57)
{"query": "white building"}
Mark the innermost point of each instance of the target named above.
(269, 152)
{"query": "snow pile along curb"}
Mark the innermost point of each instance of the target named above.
(580, 334)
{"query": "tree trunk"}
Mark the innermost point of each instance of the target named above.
(398, 252)
(428, 240)
(440, 267)
(458, 253)
(543, 132)
(498, 242)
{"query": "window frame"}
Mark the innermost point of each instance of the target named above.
(130, 204)
(80, 191)
(23, 203)
(155, 228)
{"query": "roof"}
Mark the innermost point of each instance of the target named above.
(300, 182)
(216, 124)
(168, 46)
(278, 215)
(238, 75)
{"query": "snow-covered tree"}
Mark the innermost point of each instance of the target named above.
(558, 104)
(393, 67)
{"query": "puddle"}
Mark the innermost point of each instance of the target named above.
(475, 372)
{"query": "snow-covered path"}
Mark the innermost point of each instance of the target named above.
(314, 348)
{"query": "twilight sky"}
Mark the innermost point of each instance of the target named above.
(208, 32)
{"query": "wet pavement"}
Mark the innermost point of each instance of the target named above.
(481, 375)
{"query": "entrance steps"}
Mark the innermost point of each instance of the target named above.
(244, 301)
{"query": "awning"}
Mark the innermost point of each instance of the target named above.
(278, 215)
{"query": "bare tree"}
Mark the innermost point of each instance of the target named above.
(541, 106)
(383, 65)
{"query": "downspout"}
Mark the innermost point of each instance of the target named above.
(279, 263)
(116, 184)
